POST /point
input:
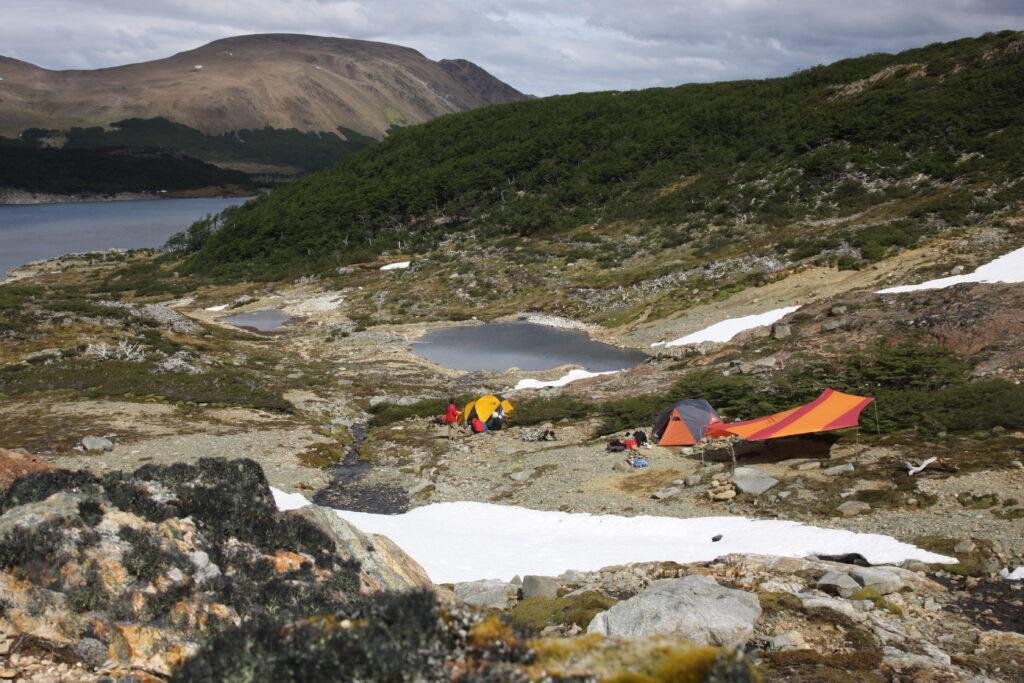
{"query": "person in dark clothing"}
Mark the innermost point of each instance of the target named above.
(640, 436)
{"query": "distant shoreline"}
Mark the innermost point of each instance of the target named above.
(13, 197)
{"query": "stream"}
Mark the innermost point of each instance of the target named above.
(345, 492)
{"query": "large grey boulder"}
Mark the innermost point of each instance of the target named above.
(490, 593)
(97, 443)
(749, 480)
(694, 607)
(838, 583)
(545, 586)
(853, 507)
(882, 580)
(383, 566)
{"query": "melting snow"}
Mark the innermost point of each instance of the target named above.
(466, 541)
(395, 266)
(1007, 268)
(216, 308)
(572, 376)
(727, 329)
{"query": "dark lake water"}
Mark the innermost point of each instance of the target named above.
(266, 320)
(527, 346)
(39, 231)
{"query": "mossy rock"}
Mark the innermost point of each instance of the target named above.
(537, 612)
(879, 601)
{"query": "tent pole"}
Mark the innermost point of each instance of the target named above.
(732, 452)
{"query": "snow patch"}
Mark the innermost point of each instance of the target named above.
(467, 541)
(727, 329)
(572, 376)
(396, 266)
(1007, 268)
(1016, 575)
(216, 308)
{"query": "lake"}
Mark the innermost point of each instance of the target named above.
(527, 346)
(31, 232)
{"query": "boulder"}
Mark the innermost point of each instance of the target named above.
(752, 481)
(97, 443)
(383, 565)
(839, 469)
(17, 463)
(661, 494)
(881, 580)
(853, 507)
(490, 593)
(694, 607)
(780, 331)
(838, 583)
(522, 475)
(545, 586)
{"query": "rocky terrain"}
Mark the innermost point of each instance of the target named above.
(307, 406)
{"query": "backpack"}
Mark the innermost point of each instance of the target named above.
(640, 436)
(639, 462)
(615, 447)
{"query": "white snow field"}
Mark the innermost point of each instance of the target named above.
(396, 266)
(467, 541)
(1007, 268)
(727, 329)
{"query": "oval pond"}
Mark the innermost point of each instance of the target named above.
(527, 346)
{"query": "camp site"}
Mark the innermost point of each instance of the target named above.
(706, 381)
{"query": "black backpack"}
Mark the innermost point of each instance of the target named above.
(640, 436)
(615, 447)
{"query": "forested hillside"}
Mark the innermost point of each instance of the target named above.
(109, 170)
(898, 146)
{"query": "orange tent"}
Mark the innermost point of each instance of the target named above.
(831, 410)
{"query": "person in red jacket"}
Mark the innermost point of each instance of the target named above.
(451, 417)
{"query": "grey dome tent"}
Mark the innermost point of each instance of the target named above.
(684, 423)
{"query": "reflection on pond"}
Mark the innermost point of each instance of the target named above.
(265, 321)
(527, 346)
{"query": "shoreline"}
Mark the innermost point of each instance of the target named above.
(14, 197)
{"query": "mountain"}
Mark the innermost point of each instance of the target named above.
(274, 106)
(845, 163)
(281, 81)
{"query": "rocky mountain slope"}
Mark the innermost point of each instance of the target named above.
(308, 83)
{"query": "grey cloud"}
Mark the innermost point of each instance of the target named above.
(540, 47)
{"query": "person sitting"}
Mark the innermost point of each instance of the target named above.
(641, 437)
(629, 442)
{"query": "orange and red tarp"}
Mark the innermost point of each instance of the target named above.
(832, 410)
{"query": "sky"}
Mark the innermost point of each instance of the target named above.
(540, 47)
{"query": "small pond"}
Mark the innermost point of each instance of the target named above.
(527, 346)
(265, 321)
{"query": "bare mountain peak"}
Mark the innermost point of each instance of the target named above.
(277, 80)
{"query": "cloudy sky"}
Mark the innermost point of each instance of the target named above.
(542, 47)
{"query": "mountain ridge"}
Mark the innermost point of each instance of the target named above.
(310, 83)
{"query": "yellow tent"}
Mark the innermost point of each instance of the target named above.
(484, 407)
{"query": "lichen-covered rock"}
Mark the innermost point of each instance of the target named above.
(383, 565)
(18, 462)
(148, 563)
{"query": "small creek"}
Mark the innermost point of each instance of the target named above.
(527, 346)
(346, 493)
